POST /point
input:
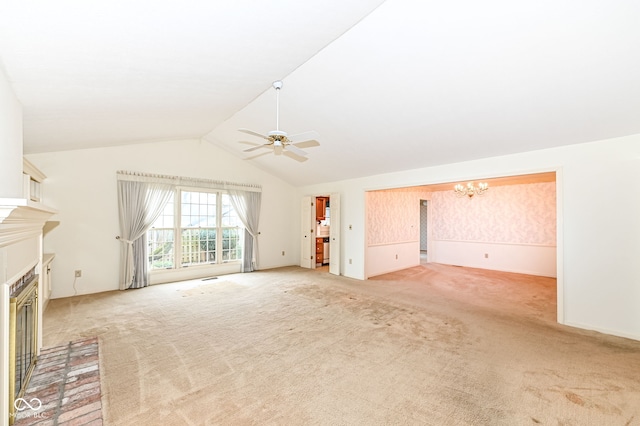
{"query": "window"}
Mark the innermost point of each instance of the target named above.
(160, 239)
(198, 227)
(209, 232)
(231, 226)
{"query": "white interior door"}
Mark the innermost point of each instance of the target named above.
(307, 231)
(334, 234)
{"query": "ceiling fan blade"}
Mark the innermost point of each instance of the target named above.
(249, 143)
(251, 132)
(295, 156)
(266, 145)
(295, 150)
(307, 144)
(303, 137)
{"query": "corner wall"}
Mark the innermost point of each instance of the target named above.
(81, 185)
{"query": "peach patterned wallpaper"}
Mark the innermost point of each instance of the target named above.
(519, 214)
(392, 216)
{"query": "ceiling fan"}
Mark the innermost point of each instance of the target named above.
(279, 141)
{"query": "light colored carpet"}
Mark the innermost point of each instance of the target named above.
(431, 345)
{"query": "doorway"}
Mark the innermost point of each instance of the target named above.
(424, 231)
(323, 230)
(321, 233)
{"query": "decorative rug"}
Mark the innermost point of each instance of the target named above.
(64, 388)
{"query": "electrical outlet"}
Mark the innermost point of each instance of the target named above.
(350, 261)
(283, 252)
(486, 255)
(78, 273)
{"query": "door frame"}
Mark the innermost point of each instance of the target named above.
(308, 232)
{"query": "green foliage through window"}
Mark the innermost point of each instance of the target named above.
(209, 231)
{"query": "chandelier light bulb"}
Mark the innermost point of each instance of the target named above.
(470, 190)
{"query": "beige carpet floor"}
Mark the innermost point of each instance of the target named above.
(431, 345)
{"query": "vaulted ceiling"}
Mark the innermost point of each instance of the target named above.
(388, 85)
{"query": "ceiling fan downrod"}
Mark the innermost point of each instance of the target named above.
(277, 85)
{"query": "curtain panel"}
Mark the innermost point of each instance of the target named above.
(139, 205)
(247, 205)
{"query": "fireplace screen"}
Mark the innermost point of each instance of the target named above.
(22, 338)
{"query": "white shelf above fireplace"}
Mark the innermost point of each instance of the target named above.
(21, 219)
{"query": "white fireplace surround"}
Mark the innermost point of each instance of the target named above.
(21, 231)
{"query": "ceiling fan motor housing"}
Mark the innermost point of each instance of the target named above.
(277, 133)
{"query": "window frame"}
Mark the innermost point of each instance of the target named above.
(219, 228)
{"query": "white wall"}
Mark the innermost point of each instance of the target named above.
(385, 258)
(10, 187)
(81, 185)
(531, 259)
(598, 223)
(10, 141)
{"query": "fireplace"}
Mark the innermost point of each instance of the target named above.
(23, 335)
(22, 222)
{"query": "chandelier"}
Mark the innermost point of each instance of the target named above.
(470, 190)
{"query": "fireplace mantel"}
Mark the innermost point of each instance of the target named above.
(21, 219)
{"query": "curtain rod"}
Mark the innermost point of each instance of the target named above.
(185, 181)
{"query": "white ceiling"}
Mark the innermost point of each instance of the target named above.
(389, 85)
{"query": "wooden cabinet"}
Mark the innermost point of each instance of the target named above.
(321, 207)
(319, 250)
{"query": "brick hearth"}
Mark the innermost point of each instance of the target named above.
(66, 381)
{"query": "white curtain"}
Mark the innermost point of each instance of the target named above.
(141, 199)
(247, 205)
(139, 205)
